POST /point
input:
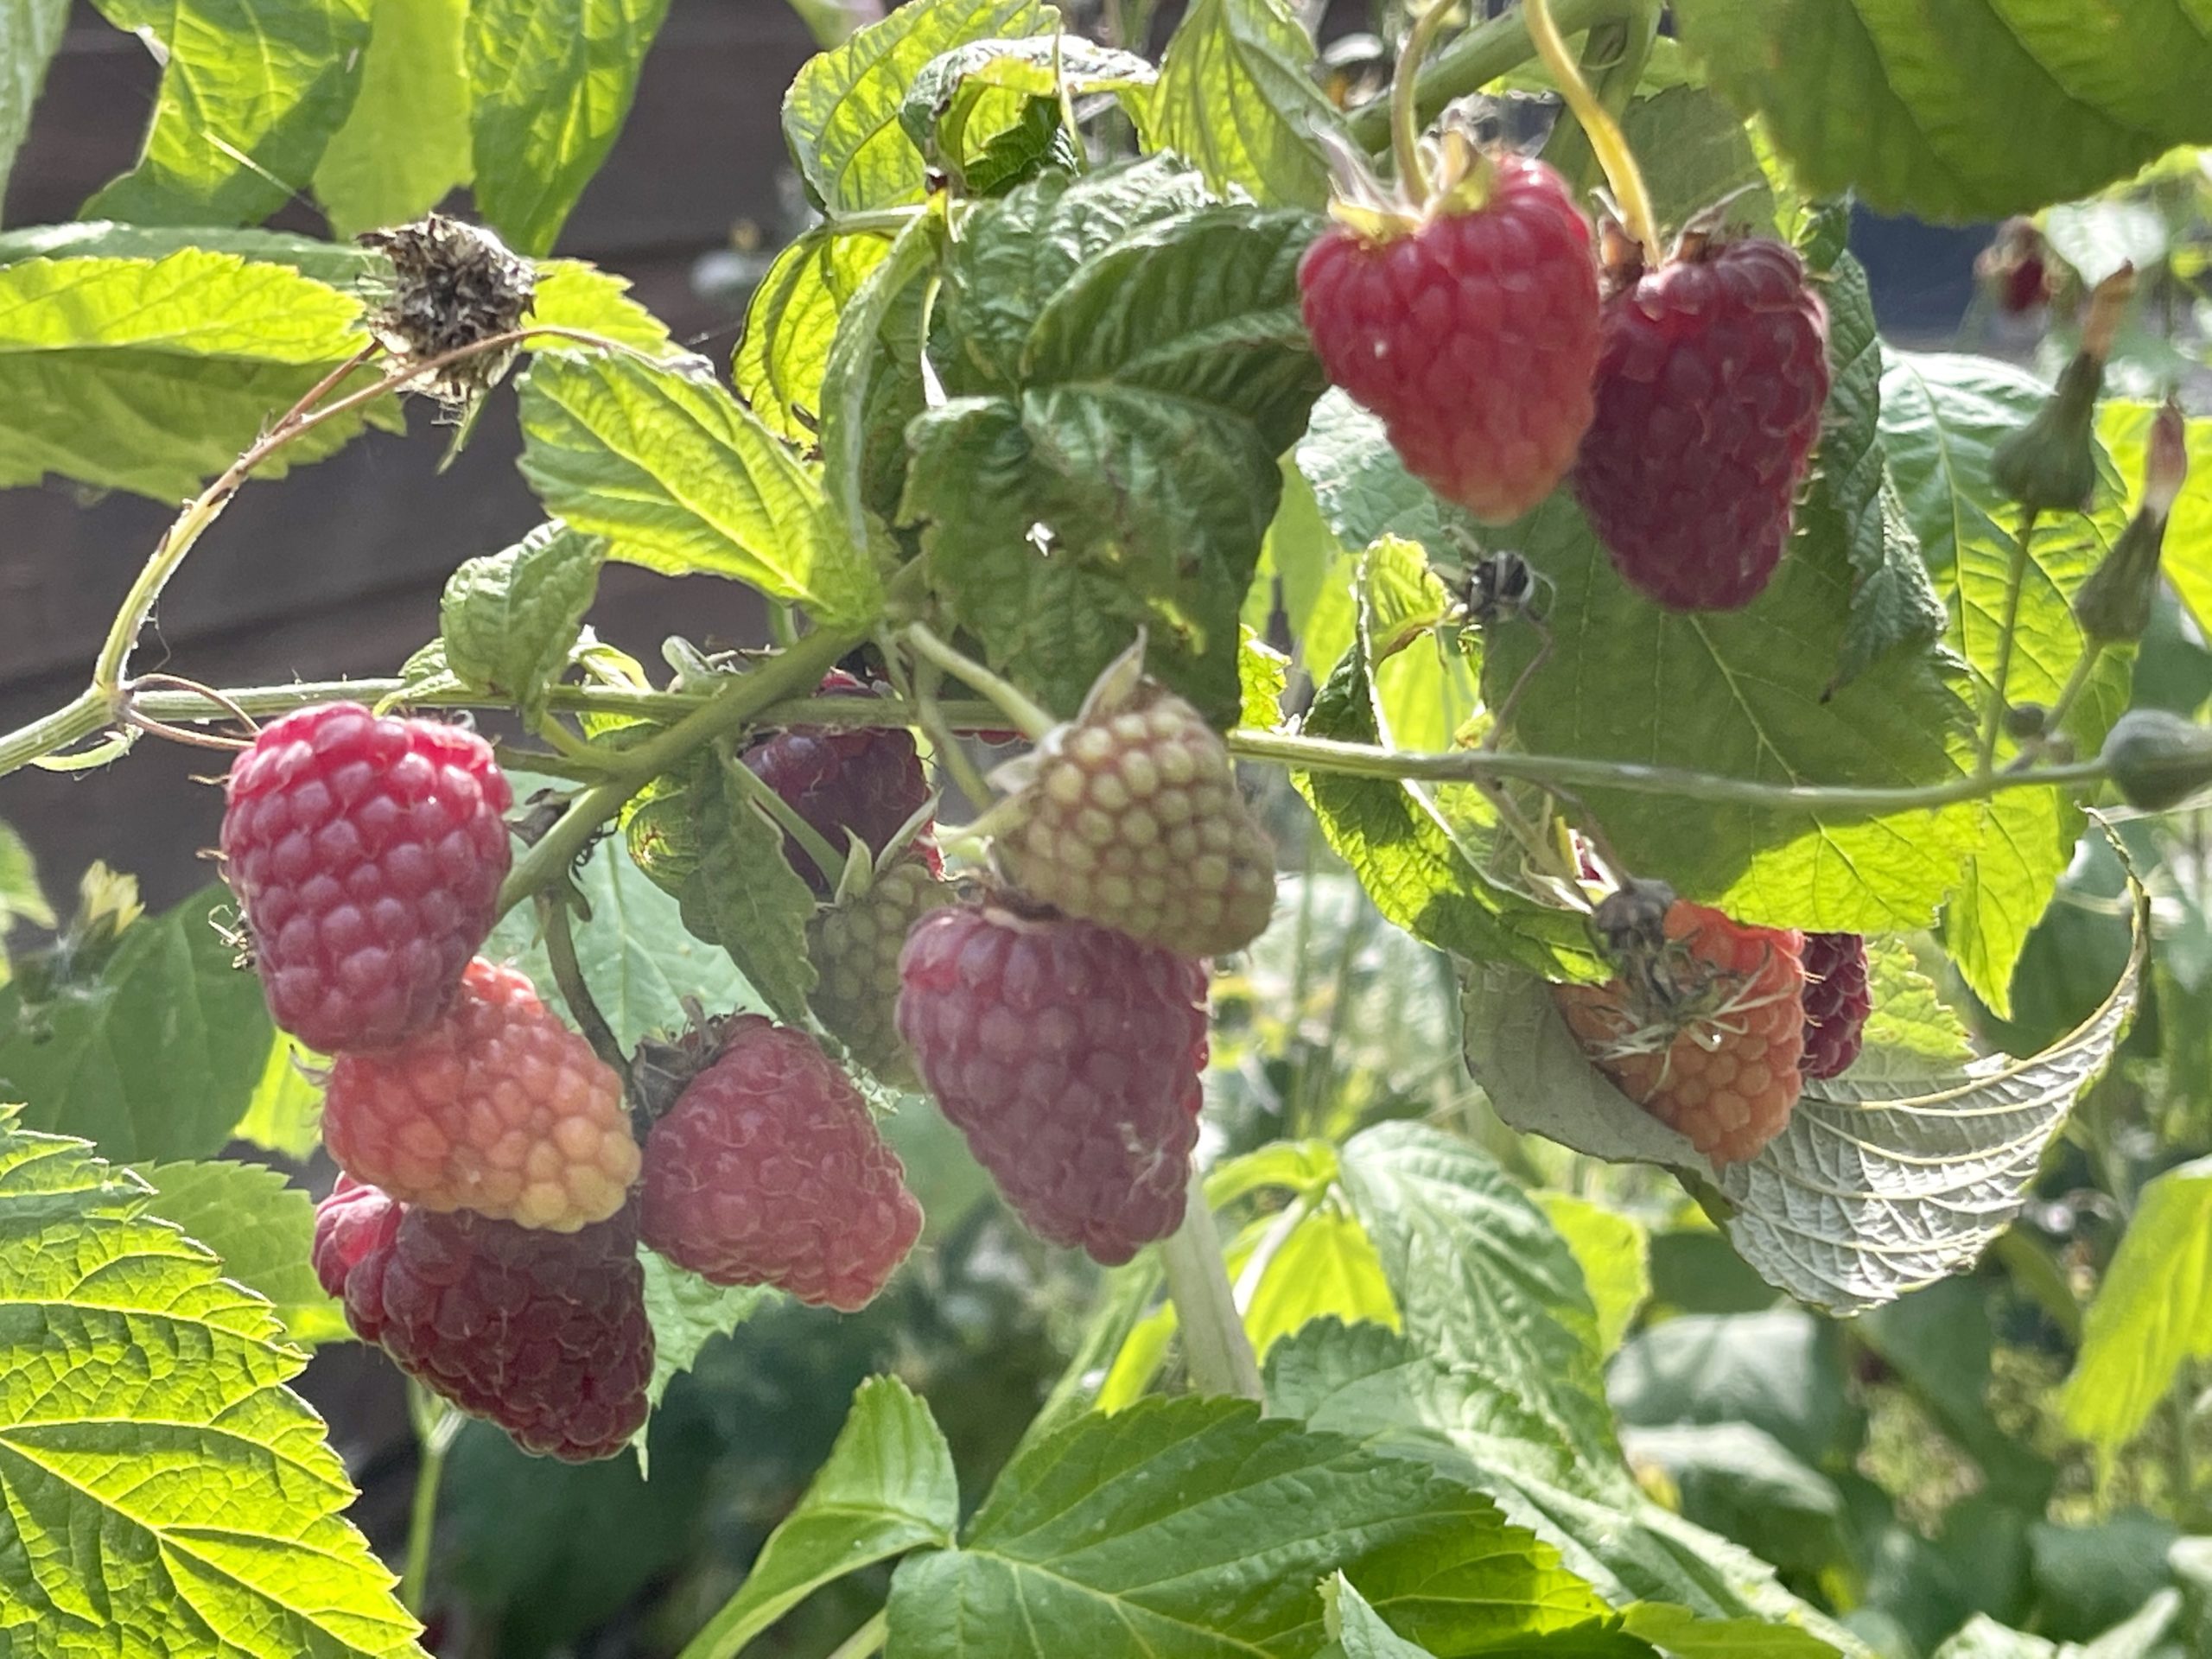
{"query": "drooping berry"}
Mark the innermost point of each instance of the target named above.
(1837, 1001)
(854, 946)
(367, 856)
(1705, 1032)
(1472, 334)
(1709, 394)
(497, 1109)
(867, 780)
(769, 1171)
(353, 1226)
(1069, 1056)
(544, 1333)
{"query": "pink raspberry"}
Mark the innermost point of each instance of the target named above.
(544, 1333)
(367, 856)
(1837, 1002)
(1068, 1055)
(498, 1108)
(355, 1224)
(768, 1171)
(868, 781)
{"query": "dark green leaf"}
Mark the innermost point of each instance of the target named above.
(1781, 1372)
(1920, 109)
(159, 1481)
(1744, 1485)
(406, 143)
(859, 355)
(841, 117)
(679, 477)
(1418, 871)
(1938, 1341)
(261, 1228)
(551, 83)
(687, 1313)
(746, 897)
(1191, 1527)
(251, 92)
(157, 1057)
(1237, 98)
(888, 1488)
(1695, 153)
(509, 619)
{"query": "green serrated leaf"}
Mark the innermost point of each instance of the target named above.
(744, 894)
(1357, 1630)
(285, 1113)
(406, 143)
(332, 264)
(509, 619)
(152, 375)
(251, 92)
(1920, 113)
(888, 1488)
(33, 36)
(1699, 155)
(859, 355)
(1481, 1277)
(550, 85)
(173, 1485)
(1237, 1519)
(1236, 98)
(955, 122)
(634, 953)
(263, 1230)
(156, 1059)
(840, 115)
(1908, 1016)
(679, 477)
(1263, 674)
(790, 323)
(1418, 869)
(573, 293)
(687, 1313)
(1613, 1251)
(21, 897)
(2152, 1312)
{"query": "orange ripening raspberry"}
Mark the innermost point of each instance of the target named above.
(1705, 1034)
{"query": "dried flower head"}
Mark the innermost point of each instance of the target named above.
(454, 285)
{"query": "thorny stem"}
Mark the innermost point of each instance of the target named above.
(1405, 122)
(1479, 56)
(435, 1425)
(2015, 579)
(568, 974)
(1216, 1350)
(1597, 125)
(1032, 720)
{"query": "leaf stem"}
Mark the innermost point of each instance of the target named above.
(1032, 720)
(435, 1425)
(2015, 579)
(2093, 652)
(868, 1639)
(1572, 771)
(1478, 56)
(1405, 122)
(1597, 125)
(83, 716)
(554, 921)
(740, 699)
(1216, 1350)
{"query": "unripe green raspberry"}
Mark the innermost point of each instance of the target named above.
(854, 946)
(1130, 818)
(2157, 759)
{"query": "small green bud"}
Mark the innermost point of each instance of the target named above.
(2157, 759)
(2113, 605)
(2025, 720)
(2050, 464)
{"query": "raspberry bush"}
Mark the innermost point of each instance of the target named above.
(1388, 837)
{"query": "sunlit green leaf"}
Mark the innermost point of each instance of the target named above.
(509, 619)
(1614, 1252)
(2152, 1312)
(1236, 97)
(406, 143)
(261, 1228)
(285, 1112)
(33, 35)
(789, 323)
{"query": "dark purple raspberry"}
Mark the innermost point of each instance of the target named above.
(544, 1333)
(1837, 1001)
(354, 1224)
(1710, 387)
(1070, 1056)
(868, 781)
(367, 856)
(768, 1171)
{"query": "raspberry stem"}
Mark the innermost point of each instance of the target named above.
(435, 1424)
(568, 974)
(1405, 122)
(1597, 125)
(1032, 720)
(1478, 56)
(1216, 1349)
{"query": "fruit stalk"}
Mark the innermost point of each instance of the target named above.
(1597, 125)
(1405, 122)
(568, 974)
(435, 1425)
(1032, 720)
(1479, 56)
(1215, 1347)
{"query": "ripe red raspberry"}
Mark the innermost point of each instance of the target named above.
(354, 1224)
(868, 781)
(545, 1334)
(1705, 1031)
(768, 1171)
(1837, 1001)
(1709, 395)
(1471, 333)
(1130, 818)
(367, 856)
(854, 946)
(498, 1108)
(1068, 1055)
